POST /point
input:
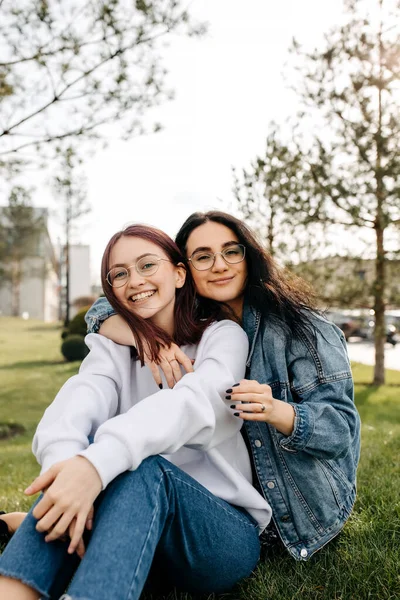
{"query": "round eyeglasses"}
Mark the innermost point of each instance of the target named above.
(202, 261)
(145, 266)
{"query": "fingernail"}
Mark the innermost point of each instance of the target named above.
(235, 414)
(227, 397)
(233, 405)
(28, 490)
(235, 384)
(228, 391)
(160, 385)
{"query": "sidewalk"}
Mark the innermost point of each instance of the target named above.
(364, 352)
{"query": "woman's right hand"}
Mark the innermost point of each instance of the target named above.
(170, 363)
(116, 329)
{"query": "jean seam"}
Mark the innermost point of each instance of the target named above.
(134, 578)
(245, 521)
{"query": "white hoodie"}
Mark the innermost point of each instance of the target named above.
(118, 402)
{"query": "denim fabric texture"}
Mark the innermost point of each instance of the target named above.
(309, 477)
(157, 518)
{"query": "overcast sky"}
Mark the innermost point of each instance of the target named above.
(228, 87)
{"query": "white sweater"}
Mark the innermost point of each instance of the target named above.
(117, 401)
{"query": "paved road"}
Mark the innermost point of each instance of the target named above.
(363, 352)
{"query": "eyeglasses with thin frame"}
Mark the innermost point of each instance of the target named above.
(202, 261)
(145, 266)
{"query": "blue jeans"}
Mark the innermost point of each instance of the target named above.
(155, 517)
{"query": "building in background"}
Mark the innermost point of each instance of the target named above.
(39, 288)
(79, 278)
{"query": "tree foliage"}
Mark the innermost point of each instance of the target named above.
(68, 69)
(21, 226)
(274, 197)
(351, 132)
(70, 190)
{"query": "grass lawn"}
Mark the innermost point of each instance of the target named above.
(361, 563)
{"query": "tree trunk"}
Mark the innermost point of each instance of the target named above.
(379, 284)
(67, 284)
(15, 288)
(379, 307)
(66, 259)
(271, 232)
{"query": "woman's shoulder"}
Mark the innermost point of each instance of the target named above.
(224, 330)
(99, 344)
(314, 329)
(224, 325)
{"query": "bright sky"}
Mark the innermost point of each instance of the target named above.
(228, 87)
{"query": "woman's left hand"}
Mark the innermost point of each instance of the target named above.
(71, 489)
(258, 397)
(253, 401)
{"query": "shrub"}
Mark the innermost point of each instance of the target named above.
(77, 324)
(64, 333)
(74, 348)
(83, 302)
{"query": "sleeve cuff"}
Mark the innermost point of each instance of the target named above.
(302, 431)
(58, 452)
(109, 457)
(94, 322)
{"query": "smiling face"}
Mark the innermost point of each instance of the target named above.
(223, 282)
(148, 296)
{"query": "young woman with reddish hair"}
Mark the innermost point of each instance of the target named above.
(301, 426)
(167, 471)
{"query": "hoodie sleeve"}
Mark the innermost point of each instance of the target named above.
(194, 413)
(97, 313)
(83, 403)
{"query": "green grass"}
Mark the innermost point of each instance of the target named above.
(361, 563)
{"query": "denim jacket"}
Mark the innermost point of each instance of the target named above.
(309, 477)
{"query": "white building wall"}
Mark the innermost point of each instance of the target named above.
(32, 288)
(79, 274)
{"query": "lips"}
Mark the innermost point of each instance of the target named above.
(222, 280)
(142, 295)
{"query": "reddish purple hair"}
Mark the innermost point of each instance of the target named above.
(188, 327)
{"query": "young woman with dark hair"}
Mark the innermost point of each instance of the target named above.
(167, 471)
(301, 425)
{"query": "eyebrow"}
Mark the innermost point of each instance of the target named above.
(135, 261)
(208, 249)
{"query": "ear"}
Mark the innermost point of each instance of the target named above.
(180, 272)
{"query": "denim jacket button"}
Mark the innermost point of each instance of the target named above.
(258, 443)
(270, 485)
(285, 518)
(303, 553)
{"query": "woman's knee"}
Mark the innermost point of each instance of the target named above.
(151, 471)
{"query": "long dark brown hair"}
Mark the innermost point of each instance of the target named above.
(278, 294)
(188, 326)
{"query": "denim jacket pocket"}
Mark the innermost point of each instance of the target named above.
(338, 481)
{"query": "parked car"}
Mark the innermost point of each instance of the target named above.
(351, 325)
(358, 323)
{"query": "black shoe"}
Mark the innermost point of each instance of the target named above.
(5, 534)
